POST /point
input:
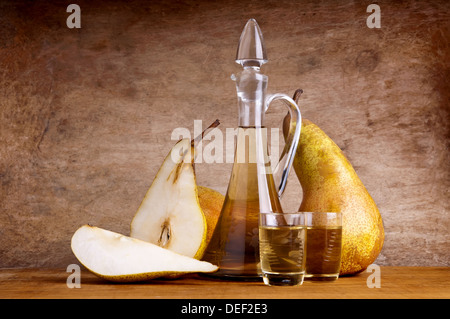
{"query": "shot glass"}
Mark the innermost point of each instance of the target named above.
(323, 245)
(282, 248)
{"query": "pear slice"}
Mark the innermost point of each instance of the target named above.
(119, 258)
(170, 214)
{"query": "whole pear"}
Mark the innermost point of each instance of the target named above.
(330, 184)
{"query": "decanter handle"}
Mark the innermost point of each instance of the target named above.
(282, 168)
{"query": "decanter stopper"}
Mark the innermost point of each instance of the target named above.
(251, 50)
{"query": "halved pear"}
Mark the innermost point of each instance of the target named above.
(170, 215)
(120, 258)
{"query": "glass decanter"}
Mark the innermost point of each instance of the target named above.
(253, 188)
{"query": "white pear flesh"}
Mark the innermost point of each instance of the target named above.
(170, 214)
(120, 258)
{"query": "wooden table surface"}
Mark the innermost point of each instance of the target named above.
(396, 282)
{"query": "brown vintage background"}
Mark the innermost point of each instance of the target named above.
(86, 114)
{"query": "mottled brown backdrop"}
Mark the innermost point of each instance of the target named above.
(86, 115)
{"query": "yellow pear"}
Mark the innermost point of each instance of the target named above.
(330, 183)
(120, 258)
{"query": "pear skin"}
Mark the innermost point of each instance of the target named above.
(330, 184)
(211, 202)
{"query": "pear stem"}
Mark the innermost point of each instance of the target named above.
(297, 94)
(200, 136)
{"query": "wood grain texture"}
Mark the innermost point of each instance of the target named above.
(396, 282)
(86, 115)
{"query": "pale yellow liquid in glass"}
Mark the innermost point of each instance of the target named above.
(282, 249)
